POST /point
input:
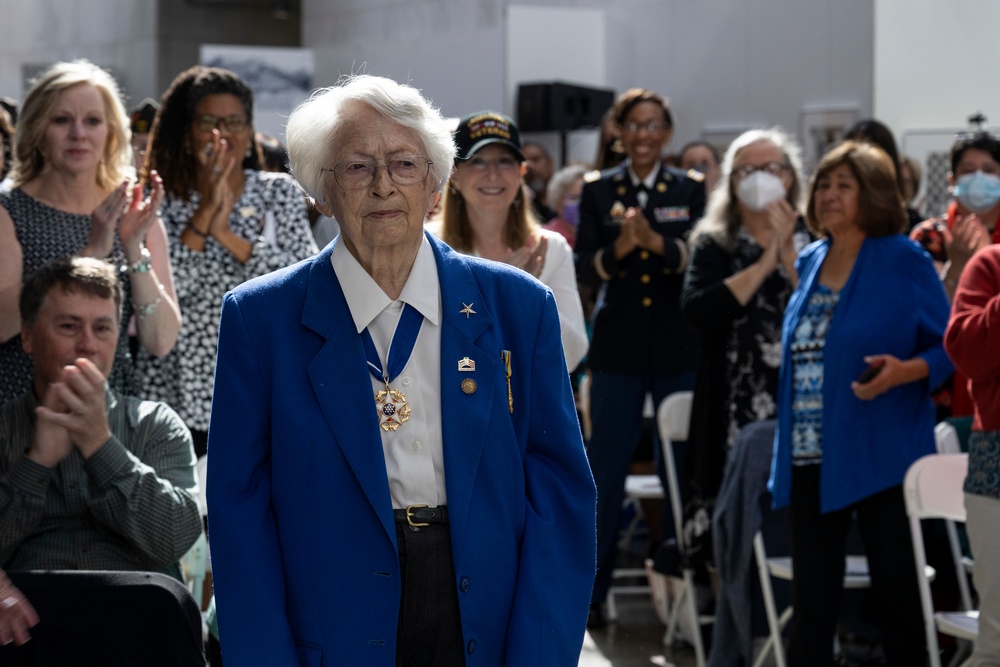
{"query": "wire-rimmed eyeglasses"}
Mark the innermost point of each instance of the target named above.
(773, 168)
(357, 174)
(233, 124)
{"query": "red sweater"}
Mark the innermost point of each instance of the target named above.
(973, 336)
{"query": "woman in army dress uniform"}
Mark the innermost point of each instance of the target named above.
(633, 222)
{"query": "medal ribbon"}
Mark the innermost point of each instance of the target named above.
(400, 349)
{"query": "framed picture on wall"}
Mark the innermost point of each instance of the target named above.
(820, 128)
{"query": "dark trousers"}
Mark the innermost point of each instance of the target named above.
(818, 544)
(430, 626)
(616, 403)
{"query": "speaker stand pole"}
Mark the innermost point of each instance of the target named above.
(562, 147)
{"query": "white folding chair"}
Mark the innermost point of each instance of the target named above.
(855, 576)
(933, 490)
(673, 418)
(637, 488)
(946, 439)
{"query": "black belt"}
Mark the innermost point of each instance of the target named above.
(421, 515)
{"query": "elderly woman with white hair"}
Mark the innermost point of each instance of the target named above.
(397, 473)
(741, 275)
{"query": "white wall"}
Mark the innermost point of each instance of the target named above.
(118, 34)
(723, 63)
(936, 63)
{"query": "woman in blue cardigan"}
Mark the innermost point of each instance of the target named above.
(868, 298)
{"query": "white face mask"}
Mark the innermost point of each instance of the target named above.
(759, 190)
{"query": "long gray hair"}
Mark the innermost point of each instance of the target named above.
(722, 215)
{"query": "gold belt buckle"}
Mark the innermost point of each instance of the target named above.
(409, 516)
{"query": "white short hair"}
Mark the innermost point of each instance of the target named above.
(314, 123)
(560, 183)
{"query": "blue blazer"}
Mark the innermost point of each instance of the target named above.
(893, 303)
(303, 540)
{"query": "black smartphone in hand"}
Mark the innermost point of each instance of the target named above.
(869, 373)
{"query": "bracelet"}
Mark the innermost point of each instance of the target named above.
(197, 231)
(142, 312)
(143, 264)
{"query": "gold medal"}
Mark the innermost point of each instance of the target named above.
(392, 408)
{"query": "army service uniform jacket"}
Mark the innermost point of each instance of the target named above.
(639, 328)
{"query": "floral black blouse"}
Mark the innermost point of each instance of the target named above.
(737, 380)
(271, 214)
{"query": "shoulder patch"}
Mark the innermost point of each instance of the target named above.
(592, 176)
(695, 175)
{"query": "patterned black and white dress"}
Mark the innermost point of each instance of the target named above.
(47, 233)
(271, 214)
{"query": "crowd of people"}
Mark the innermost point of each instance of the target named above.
(170, 287)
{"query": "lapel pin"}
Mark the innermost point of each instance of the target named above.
(505, 358)
(469, 386)
(661, 187)
(467, 310)
(465, 365)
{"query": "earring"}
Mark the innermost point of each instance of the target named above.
(249, 150)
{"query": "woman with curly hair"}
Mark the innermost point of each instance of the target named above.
(227, 222)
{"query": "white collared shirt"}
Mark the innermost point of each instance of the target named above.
(414, 455)
(649, 182)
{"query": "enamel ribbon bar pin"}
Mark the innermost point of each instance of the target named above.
(390, 403)
(505, 358)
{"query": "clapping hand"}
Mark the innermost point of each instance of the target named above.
(783, 217)
(214, 166)
(85, 415)
(103, 221)
(636, 232)
(645, 237)
(966, 238)
(531, 258)
(140, 213)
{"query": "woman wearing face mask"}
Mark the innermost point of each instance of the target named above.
(969, 224)
(563, 194)
(971, 219)
(741, 274)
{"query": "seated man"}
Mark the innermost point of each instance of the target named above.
(89, 479)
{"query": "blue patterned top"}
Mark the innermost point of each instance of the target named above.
(984, 464)
(807, 376)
